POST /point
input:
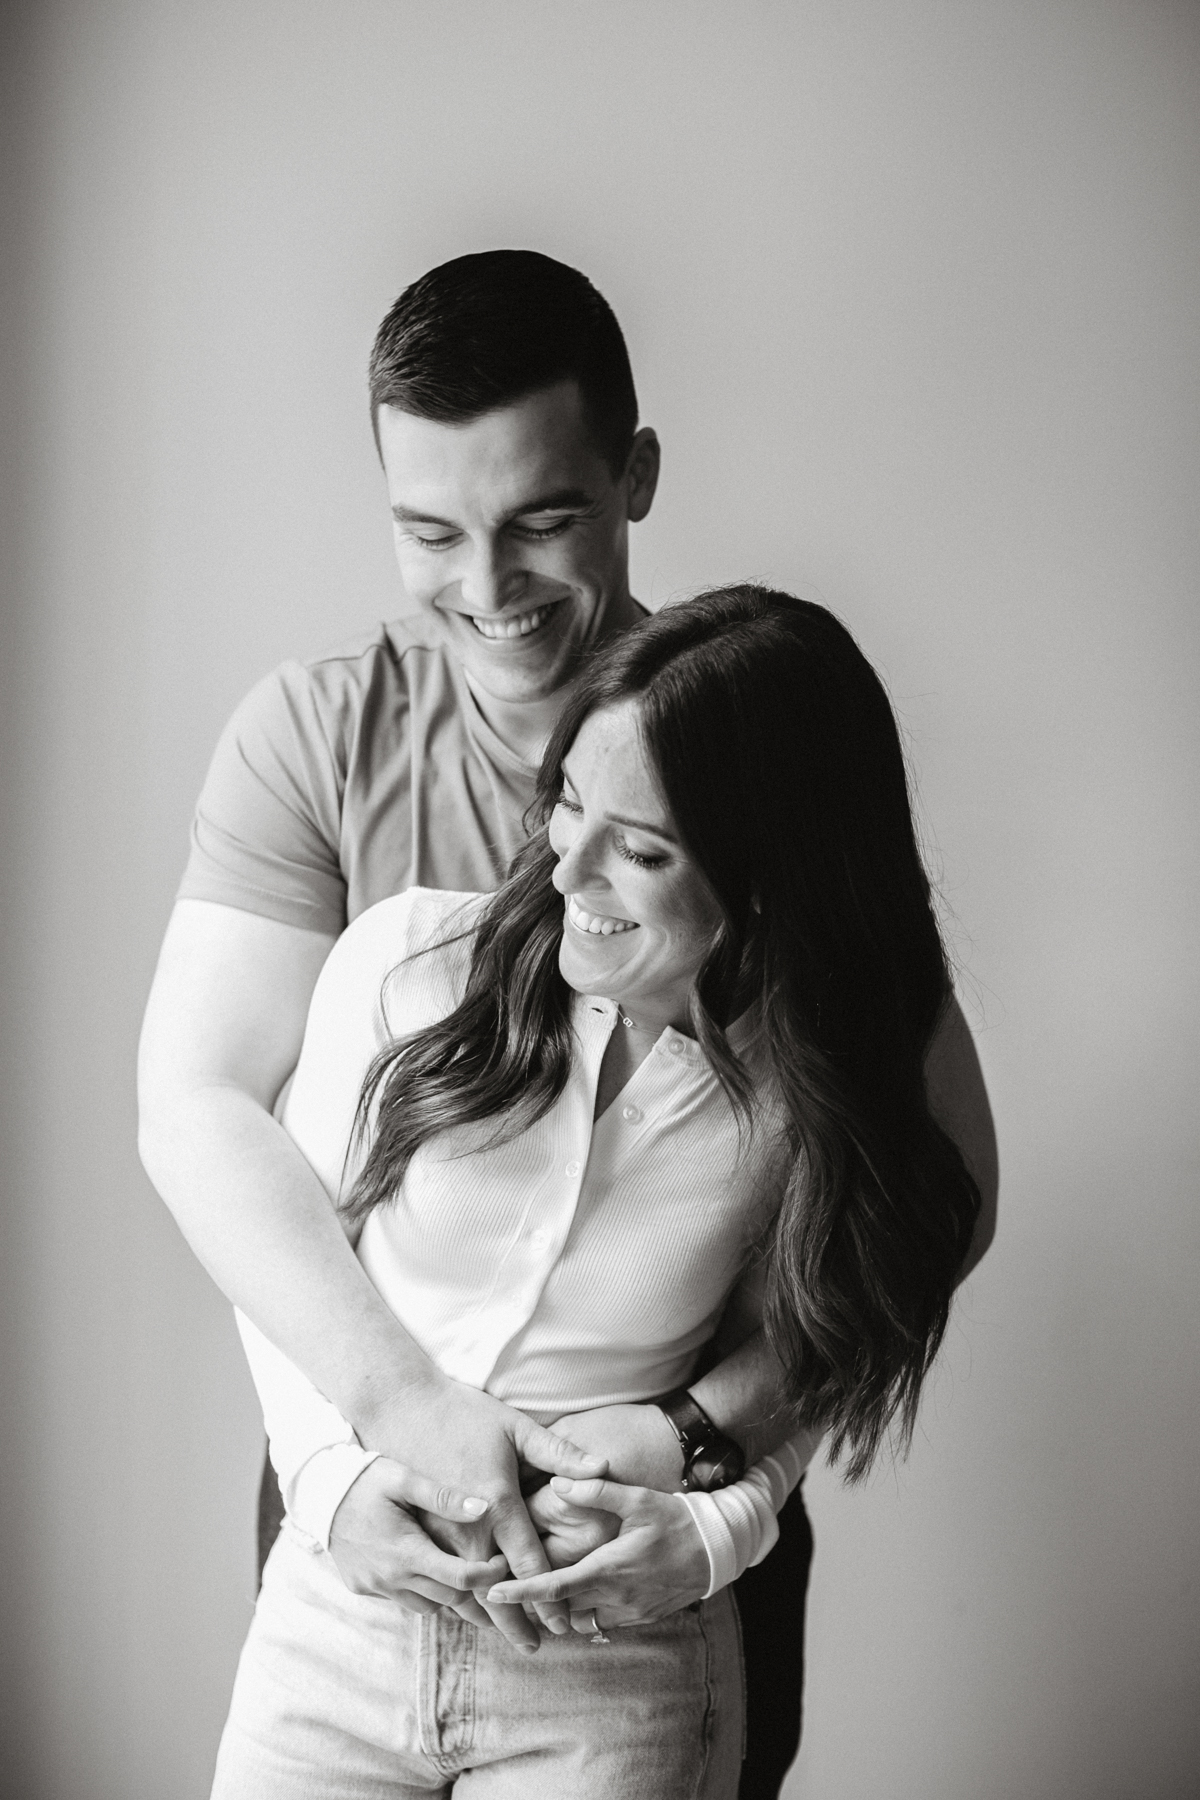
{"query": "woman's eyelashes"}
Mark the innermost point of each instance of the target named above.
(634, 856)
(640, 859)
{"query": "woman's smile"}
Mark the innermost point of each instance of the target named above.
(596, 924)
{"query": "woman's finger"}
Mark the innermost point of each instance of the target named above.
(572, 1584)
(600, 1496)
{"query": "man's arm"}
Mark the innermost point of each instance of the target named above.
(223, 1030)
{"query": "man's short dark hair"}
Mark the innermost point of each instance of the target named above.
(486, 330)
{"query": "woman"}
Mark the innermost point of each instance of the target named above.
(673, 1069)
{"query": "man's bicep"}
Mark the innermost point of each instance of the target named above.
(958, 1099)
(228, 1003)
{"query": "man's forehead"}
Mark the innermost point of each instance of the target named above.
(499, 463)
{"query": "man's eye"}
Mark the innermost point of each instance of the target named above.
(430, 543)
(538, 533)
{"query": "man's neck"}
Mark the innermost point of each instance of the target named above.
(524, 726)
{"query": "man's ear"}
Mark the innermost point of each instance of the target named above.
(641, 474)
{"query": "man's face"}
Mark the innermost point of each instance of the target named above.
(512, 535)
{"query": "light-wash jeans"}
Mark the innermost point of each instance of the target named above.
(341, 1697)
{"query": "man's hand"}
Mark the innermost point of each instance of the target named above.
(656, 1564)
(636, 1442)
(473, 1443)
(380, 1549)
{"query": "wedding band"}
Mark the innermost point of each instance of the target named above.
(598, 1636)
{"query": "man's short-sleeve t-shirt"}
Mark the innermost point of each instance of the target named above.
(342, 781)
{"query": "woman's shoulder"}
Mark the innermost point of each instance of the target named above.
(418, 945)
(412, 946)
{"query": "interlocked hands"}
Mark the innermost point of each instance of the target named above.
(579, 1546)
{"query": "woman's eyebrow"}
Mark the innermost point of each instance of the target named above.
(661, 831)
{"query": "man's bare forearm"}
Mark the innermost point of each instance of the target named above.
(263, 1226)
(745, 1397)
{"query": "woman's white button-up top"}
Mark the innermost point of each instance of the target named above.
(581, 1263)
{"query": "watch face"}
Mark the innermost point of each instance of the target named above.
(719, 1463)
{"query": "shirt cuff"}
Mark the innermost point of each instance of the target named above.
(317, 1490)
(738, 1524)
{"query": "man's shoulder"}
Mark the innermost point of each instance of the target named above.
(390, 651)
(378, 674)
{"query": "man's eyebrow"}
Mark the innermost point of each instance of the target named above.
(559, 500)
(408, 515)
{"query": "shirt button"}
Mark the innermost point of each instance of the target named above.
(674, 1046)
(631, 1113)
(572, 1170)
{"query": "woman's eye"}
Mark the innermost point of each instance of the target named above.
(642, 862)
(571, 806)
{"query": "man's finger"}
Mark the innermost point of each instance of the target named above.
(517, 1537)
(557, 1455)
(419, 1556)
(410, 1488)
(511, 1622)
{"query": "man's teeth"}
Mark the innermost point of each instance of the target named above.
(515, 625)
(597, 923)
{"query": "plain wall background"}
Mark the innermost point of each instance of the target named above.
(911, 292)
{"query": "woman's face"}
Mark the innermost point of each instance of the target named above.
(639, 916)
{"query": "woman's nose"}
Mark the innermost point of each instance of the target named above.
(575, 866)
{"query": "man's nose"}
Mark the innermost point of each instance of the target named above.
(489, 583)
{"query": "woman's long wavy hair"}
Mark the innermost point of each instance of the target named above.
(778, 757)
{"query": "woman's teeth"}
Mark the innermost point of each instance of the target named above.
(596, 923)
(515, 625)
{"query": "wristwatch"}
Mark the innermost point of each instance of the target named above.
(710, 1459)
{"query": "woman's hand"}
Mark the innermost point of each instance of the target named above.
(655, 1565)
(569, 1532)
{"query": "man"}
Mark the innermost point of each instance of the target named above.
(506, 419)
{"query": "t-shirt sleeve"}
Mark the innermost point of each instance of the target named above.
(267, 828)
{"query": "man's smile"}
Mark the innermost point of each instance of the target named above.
(495, 626)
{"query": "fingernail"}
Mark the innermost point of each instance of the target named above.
(558, 1628)
(475, 1506)
(560, 1483)
(495, 1598)
(529, 1649)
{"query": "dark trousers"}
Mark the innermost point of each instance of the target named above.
(771, 1604)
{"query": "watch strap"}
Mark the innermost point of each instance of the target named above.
(710, 1458)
